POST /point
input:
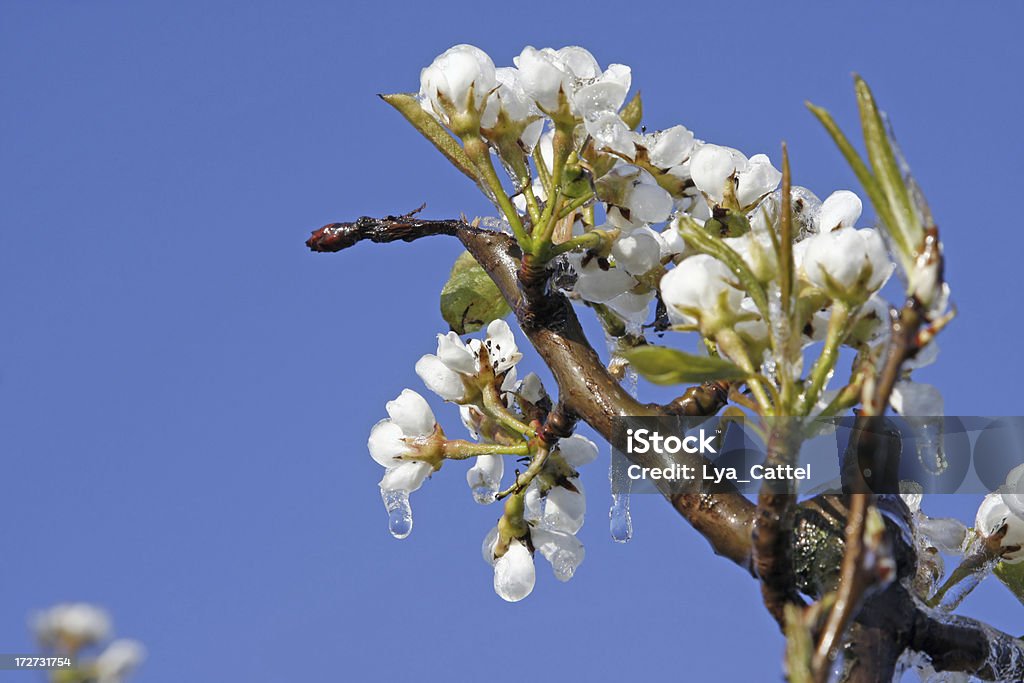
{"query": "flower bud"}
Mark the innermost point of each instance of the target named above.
(514, 573)
(847, 264)
(840, 210)
(993, 516)
(699, 290)
(457, 82)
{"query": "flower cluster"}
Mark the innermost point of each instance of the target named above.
(70, 629)
(653, 230)
(545, 506)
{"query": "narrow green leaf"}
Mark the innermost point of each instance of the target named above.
(662, 365)
(1012, 576)
(470, 299)
(860, 169)
(906, 230)
(632, 112)
(409, 107)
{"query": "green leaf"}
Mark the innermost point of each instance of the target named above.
(409, 107)
(906, 230)
(632, 112)
(662, 365)
(1012, 576)
(470, 299)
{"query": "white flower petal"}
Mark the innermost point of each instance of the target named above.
(386, 443)
(514, 573)
(577, 450)
(564, 509)
(563, 551)
(411, 412)
(408, 476)
(440, 378)
(841, 209)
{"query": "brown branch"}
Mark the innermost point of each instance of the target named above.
(890, 620)
(586, 389)
(772, 533)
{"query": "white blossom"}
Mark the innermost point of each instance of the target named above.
(118, 660)
(712, 166)
(915, 399)
(993, 515)
(514, 573)
(846, 263)
(638, 252)
(562, 550)
(461, 77)
(641, 199)
(841, 209)
(1013, 491)
(394, 440)
(456, 363)
(484, 477)
(698, 284)
(511, 99)
(577, 450)
(547, 74)
(78, 623)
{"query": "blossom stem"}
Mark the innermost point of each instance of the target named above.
(574, 205)
(524, 479)
(822, 370)
(737, 352)
(595, 239)
(478, 151)
(531, 204)
(497, 410)
(562, 147)
(461, 450)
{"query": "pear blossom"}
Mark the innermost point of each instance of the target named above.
(511, 99)
(577, 450)
(411, 431)
(514, 572)
(712, 166)
(612, 134)
(639, 251)
(670, 147)
(993, 515)
(562, 550)
(696, 287)
(118, 660)
(635, 198)
(484, 477)
(1013, 491)
(457, 81)
(572, 72)
(756, 250)
(564, 509)
(915, 399)
(74, 624)
(457, 364)
(841, 209)
(847, 264)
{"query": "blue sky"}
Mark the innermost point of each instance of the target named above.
(185, 391)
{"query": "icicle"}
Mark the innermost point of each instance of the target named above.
(620, 520)
(399, 512)
(928, 436)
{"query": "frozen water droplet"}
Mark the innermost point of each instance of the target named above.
(621, 522)
(399, 512)
(928, 436)
(484, 494)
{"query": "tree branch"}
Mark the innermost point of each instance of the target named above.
(586, 389)
(890, 620)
